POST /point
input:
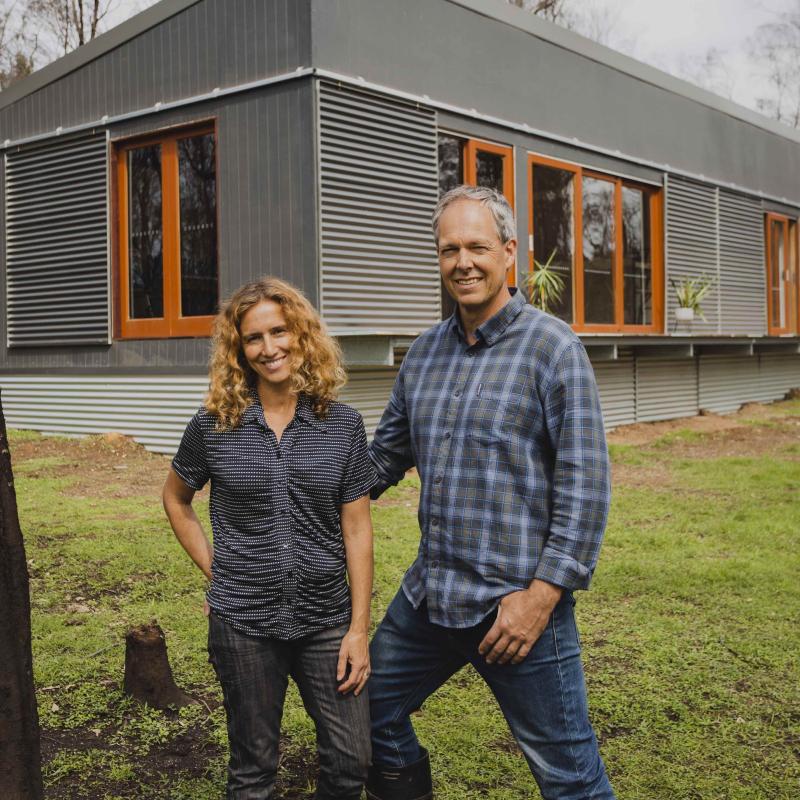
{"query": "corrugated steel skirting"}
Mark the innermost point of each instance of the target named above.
(154, 410)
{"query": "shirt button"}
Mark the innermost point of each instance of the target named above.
(447, 435)
(470, 354)
(437, 479)
(279, 454)
(434, 522)
(434, 564)
(286, 546)
(458, 393)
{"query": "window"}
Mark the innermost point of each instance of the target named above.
(781, 251)
(479, 164)
(167, 211)
(612, 268)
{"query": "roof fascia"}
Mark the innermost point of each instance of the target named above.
(118, 35)
(569, 40)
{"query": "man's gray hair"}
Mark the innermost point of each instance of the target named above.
(502, 212)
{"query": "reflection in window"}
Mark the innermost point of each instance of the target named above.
(598, 250)
(553, 232)
(637, 262)
(145, 236)
(198, 225)
(489, 170)
(451, 162)
(777, 271)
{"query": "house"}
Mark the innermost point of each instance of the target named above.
(204, 143)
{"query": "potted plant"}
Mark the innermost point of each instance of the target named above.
(545, 284)
(690, 293)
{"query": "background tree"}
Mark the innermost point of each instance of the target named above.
(17, 46)
(20, 771)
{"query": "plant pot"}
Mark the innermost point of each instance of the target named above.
(684, 314)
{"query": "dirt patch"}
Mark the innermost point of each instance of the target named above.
(648, 432)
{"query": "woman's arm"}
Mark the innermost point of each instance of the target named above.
(177, 498)
(357, 533)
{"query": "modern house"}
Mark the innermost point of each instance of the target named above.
(204, 143)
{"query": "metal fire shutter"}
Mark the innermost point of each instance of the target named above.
(743, 272)
(57, 286)
(378, 186)
(665, 388)
(692, 232)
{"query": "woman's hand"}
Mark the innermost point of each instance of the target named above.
(354, 651)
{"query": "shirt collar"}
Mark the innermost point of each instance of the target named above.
(304, 412)
(494, 327)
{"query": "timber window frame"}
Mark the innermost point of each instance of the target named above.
(171, 323)
(654, 204)
(785, 285)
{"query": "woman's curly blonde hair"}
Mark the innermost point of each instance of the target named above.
(316, 359)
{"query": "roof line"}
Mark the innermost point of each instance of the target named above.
(118, 35)
(569, 40)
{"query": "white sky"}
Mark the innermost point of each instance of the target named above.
(673, 35)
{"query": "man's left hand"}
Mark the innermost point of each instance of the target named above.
(521, 618)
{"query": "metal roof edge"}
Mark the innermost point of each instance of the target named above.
(99, 46)
(569, 40)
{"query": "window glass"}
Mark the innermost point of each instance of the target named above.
(598, 251)
(145, 243)
(637, 263)
(198, 225)
(489, 170)
(451, 162)
(777, 285)
(553, 230)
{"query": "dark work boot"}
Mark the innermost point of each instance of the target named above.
(412, 782)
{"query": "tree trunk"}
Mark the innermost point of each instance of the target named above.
(148, 675)
(20, 770)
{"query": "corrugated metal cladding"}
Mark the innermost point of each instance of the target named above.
(154, 410)
(616, 382)
(666, 388)
(378, 186)
(743, 299)
(57, 286)
(692, 245)
(727, 381)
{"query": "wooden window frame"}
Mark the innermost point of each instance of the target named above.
(172, 324)
(792, 285)
(655, 195)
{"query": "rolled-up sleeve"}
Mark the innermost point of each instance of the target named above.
(390, 450)
(581, 478)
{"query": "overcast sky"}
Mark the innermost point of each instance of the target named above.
(674, 35)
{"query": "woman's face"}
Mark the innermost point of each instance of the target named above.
(267, 344)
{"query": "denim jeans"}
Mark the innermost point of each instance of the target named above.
(254, 675)
(543, 698)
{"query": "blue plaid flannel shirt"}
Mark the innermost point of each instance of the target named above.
(508, 439)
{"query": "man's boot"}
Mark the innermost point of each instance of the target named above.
(412, 782)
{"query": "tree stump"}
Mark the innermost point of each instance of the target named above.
(148, 675)
(20, 771)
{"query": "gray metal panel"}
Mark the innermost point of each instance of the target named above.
(778, 374)
(368, 391)
(56, 204)
(692, 245)
(725, 382)
(378, 186)
(743, 296)
(475, 60)
(666, 388)
(616, 382)
(267, 217)
(214, 43)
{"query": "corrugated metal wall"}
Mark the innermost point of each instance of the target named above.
(666, 388)
(743, 297)
(725, 382)
(616, 382)
(57, 279)
(378, 185)
(692, 245)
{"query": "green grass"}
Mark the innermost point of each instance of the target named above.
(690, 636)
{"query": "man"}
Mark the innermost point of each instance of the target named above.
(497, 408)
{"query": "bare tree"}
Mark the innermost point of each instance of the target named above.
(554, 10)
(70, 23)
(18, 45)
(774, 50)
(710, 72)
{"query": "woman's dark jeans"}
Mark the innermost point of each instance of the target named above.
(254, 674)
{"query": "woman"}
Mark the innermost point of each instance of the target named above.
(290, 480)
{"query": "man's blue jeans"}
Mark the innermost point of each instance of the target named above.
(254, 673)
(543, 698)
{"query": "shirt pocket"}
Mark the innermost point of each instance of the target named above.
(498, 409)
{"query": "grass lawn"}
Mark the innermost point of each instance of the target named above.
(691, 631)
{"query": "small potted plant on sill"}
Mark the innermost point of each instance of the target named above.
(690, 293)
(545, 284)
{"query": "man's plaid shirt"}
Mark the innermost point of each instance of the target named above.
(508, 439)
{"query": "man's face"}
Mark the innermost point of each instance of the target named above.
(472, 259)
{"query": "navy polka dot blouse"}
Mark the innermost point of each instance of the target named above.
(279, 560)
